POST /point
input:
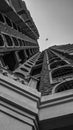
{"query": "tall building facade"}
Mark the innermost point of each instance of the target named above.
(36, 88)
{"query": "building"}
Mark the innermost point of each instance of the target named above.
(36, 88)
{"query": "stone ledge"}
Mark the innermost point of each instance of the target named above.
(18, 110)
(56, 105)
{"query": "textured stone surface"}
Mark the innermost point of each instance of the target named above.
(9, 123)
(45, 82)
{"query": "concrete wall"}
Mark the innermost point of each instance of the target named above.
(18, 105)
(10, 123)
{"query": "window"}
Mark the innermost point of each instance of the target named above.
(14, 25)
(54, 59)
(62, 71)
(27, 52)
(57, 64)
(1, 41)
(27, 66)
(30, 63)
(8, 39)
(20, 42)
(9, 60)
(64, 86)
(19, 29)
(23, 42)
(23, 69)
(36, 70)
(15, 41)
(22, 56)
(1, 18)
(8, 21)
(27, 43)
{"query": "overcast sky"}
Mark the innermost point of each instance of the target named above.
(54, 20)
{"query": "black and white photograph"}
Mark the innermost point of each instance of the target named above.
(36, 64)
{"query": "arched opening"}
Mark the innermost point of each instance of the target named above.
(22, 56)
(64, 86)
(8, 21)
(1, 18)
(20, 42)
(31, 52)
(14, 25)
(28, 54)
(15, 41)
(36, 70)
(51, 55)
(8, 40)
(62, 71)
(54, 59)
(10, 61)
(57, 63)
(1, 41)
(19, 29)
(23, 42)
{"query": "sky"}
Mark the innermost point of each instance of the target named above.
(54, 20)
